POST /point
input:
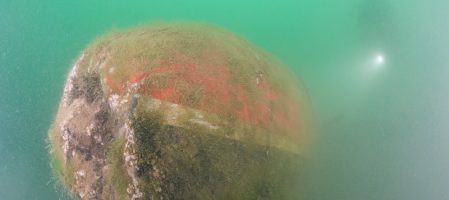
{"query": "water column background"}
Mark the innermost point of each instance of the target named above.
(376, 72)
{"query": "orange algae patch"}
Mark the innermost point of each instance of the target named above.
(163, 93)
(219, 94)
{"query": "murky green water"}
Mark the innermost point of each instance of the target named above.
(375, 70)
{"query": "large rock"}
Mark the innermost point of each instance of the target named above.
(179, 111)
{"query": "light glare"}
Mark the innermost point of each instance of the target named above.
(380, 59)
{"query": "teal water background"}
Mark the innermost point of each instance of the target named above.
(376, 72)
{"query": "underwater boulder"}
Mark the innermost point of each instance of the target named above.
(179, 111)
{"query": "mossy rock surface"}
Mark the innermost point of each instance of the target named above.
(180, 111)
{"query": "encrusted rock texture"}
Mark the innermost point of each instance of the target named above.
(180, 111)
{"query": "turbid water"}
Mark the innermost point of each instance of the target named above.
(375, 72)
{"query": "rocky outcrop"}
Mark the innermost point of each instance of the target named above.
(179, 111)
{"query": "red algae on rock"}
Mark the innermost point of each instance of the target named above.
(179, 111)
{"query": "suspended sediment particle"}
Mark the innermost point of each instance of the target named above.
(179, 111)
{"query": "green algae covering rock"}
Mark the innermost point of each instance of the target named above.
(179, 111)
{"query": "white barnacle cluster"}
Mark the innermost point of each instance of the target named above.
(129, 154)
(84, 191)
(117, 102)
(69, 84)
(79, 178)
(113, 101)
(65, 135)
(90, 128)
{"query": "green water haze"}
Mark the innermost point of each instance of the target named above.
(376, 72)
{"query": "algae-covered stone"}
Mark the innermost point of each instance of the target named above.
(179, 111)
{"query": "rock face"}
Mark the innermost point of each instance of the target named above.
(179, 111)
